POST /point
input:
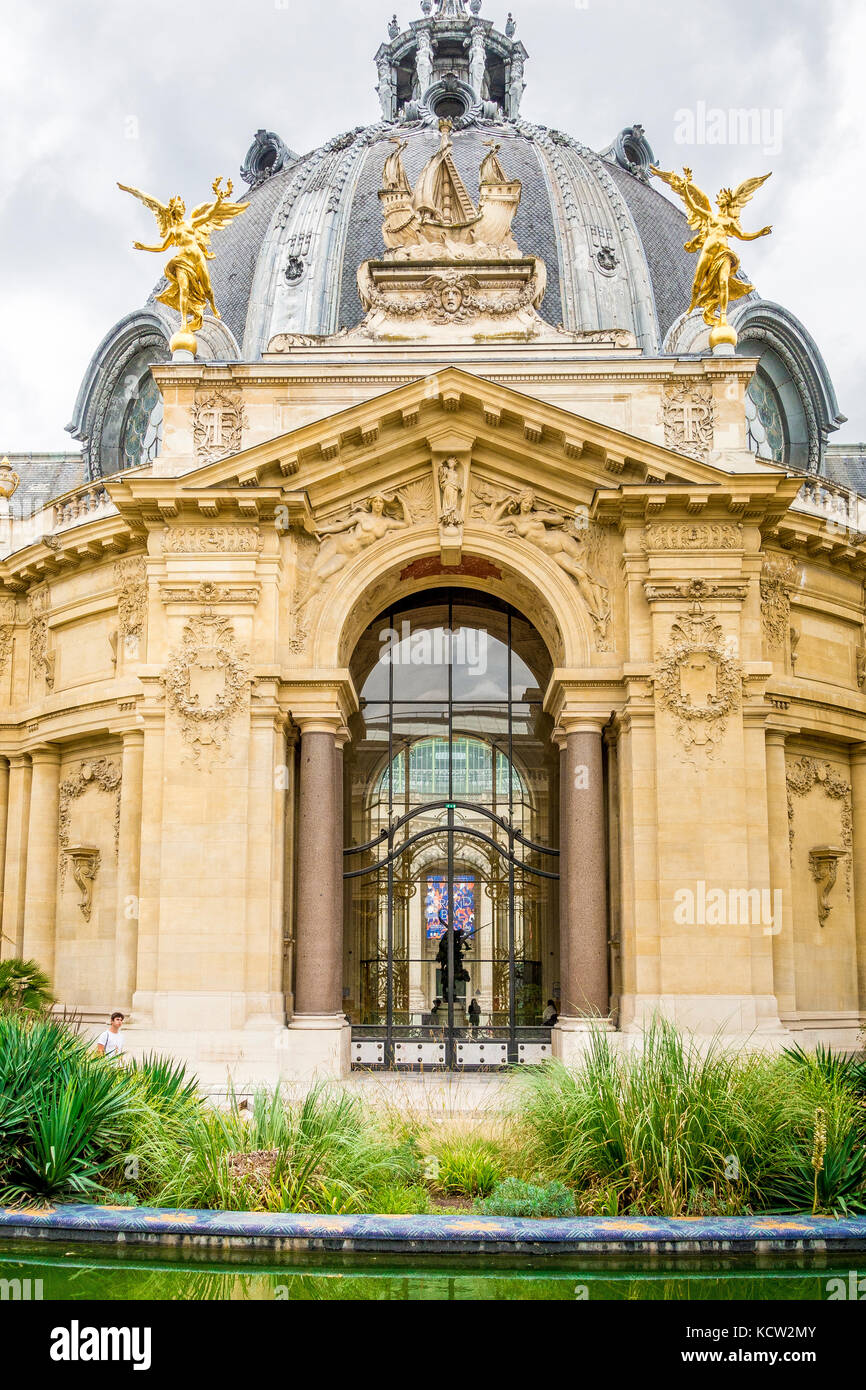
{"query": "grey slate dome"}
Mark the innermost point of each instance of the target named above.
(613, 243)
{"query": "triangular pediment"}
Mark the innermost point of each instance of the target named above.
(513, 440)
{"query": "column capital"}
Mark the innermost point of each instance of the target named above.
(132, 737)
(584, 722)
(45, 754)
(18, 760)
(322, 723)
(858, 754)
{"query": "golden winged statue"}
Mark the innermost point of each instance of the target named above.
(716, 282)
(189, 288)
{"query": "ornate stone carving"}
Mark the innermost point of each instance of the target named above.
(218, 422)
(210, 594)
(206, 681)
(8, 613)
(777, 578)
(41, 655)
(689, 418)
(103, 773)
(130, 575)
(564, 542)
(206, 540)
(824, 864)
(341, 540)
(696, 589)
(452, 297)
(438, 219)
(84, 860)
(686, 535)
(698, 680)
(805, 773)
(452, 492)
(9, 480)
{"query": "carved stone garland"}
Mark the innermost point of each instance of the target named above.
(41, 657)
(103, 773)
(206, 681)
(806, 773)
(130, 575)
(698, 680)
(777, 578)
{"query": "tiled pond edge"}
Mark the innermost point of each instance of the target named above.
(432, 1234)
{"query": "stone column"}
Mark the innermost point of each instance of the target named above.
(40, 908)
(858, 796)
(583, 890)
(128, 869)
(784, 985)
(563, 868)
(338, 836)
(319, 953)
(15, 868)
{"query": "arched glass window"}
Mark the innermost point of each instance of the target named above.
(765, 427)
(142, 427)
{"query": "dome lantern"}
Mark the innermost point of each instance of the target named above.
(451, 64)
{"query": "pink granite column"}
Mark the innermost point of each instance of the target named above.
(583, 890)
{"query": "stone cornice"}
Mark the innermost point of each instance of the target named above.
(387, 425)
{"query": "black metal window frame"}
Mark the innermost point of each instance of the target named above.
(395, 848)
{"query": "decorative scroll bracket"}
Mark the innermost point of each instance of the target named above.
(84, 861)
(824, 863)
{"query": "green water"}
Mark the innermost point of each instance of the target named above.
(102, 1272)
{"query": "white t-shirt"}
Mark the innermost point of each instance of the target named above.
(112, 1042)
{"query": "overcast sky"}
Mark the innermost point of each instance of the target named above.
(164, 94)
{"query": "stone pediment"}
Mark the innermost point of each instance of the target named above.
(511, 437)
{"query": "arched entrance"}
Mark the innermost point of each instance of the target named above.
(451, 834)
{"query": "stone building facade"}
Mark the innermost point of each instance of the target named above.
(251, 781)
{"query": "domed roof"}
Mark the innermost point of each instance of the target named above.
(612, 243)
(614, 248)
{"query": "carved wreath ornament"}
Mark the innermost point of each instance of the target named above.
(698, 680)
(206, 680)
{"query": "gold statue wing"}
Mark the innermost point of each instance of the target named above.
(698, 205)
(159, 210)
(747, 188)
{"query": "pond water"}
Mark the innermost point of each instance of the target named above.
(99, 1272)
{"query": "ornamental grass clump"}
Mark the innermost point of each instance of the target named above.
(325, 1154)
(678, 1126)
(463, 1167)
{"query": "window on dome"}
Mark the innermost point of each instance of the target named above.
(765, 428)
(142, 427)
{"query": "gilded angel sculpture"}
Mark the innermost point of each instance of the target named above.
(716, 282)
(189, 288)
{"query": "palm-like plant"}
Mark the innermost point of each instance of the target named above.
(24, 986)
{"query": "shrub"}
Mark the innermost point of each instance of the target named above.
(24, 987)
(515, 1198)
(676, 1125)
(62, 1111)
